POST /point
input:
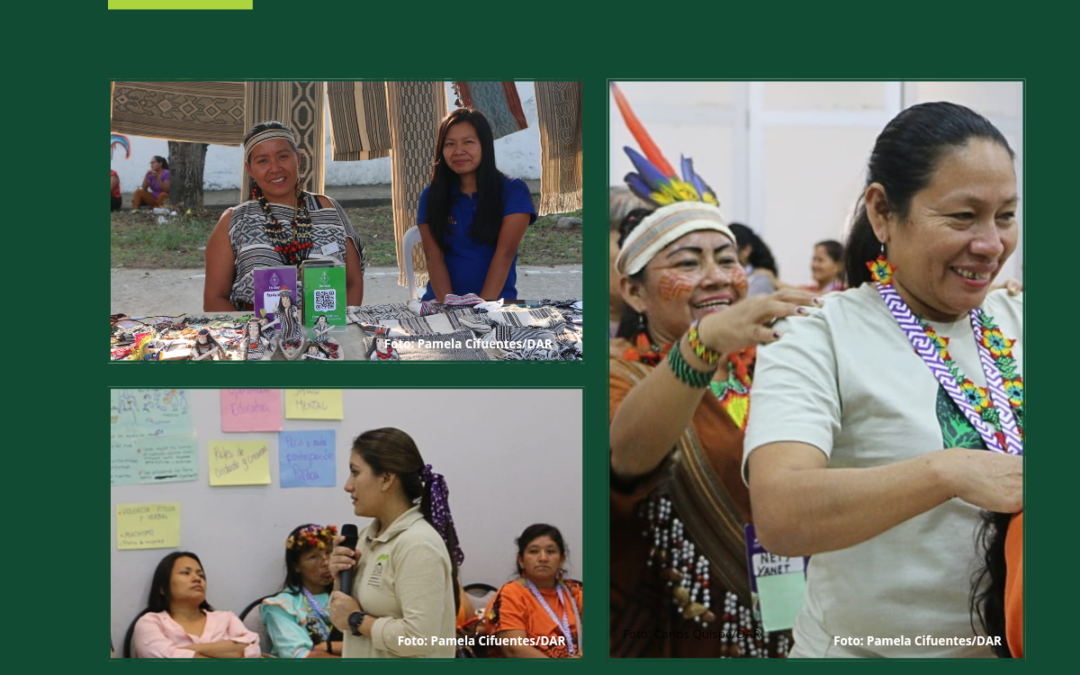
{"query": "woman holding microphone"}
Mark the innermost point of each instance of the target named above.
(402, 602)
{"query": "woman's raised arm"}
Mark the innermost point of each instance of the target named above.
(657, 411)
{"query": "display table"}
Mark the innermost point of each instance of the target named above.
(544, 330)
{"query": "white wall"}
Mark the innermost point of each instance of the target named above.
(789, 158)
(511, 457)
(517, 155)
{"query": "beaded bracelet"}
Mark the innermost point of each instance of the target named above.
(685, 372)
(704, 353)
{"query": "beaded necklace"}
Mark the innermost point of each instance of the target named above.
(564, 622)
(318, 612)
(294, 249)
(645, 350)
(734, 392)
(999, 424)
(990, 339)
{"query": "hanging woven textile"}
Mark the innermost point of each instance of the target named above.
(301, 107)
(195, 112)
(498, 101)
(416, 109)
(558, 106)
(359, 126)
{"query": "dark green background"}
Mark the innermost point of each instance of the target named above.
(61, 59)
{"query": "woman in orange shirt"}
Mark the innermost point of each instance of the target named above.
(538, 615)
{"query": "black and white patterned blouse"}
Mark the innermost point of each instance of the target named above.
(252, 248)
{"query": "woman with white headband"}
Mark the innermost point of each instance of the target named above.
(678, 408)
(280, 225)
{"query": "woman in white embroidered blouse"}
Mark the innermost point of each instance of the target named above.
(867, 448)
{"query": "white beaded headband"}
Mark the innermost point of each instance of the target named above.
(662, 227)
(267, 135)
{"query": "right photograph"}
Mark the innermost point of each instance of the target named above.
(816, 369)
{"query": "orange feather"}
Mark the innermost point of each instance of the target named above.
(652, 152)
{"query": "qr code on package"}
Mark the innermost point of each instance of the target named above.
(325, 300)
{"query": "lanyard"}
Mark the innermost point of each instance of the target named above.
(931, 356)
(321, 614)
(564, 623)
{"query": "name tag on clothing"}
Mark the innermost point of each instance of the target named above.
(380, 568)
(777, 584)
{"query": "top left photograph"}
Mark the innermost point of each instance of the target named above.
(346, 221)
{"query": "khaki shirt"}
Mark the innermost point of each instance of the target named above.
(404, 580)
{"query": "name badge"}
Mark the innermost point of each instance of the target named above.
(332, 247)
(777, 584)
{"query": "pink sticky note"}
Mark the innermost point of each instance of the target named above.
(251, 410)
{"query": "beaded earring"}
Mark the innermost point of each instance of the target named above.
(880, 269)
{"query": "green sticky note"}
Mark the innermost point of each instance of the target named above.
(781, 598)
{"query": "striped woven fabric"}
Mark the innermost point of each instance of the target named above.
(300, 106)
(359, 127)
(416, 109)
(498, 101)
(196, 112)
(558, 105)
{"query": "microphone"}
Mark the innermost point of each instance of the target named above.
(346, 578)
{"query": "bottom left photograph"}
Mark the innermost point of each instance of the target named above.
(346, 523)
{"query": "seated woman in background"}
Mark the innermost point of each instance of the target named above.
(298, 618)
(827, 267)
(538, 605)
(117, 199)
(757, 259)
(155, 187)
(180, 623)
(472, 217)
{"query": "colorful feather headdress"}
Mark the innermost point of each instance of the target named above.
(684, 205)
(655, 180)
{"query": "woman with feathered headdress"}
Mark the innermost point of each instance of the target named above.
(678, 408)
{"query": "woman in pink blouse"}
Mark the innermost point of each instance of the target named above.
(181, 624)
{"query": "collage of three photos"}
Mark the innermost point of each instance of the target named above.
(813, 359)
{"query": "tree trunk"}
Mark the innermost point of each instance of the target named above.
(186, 164)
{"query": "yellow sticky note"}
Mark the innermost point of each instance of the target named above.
(313, 404)
(239, 462)
(140, 526)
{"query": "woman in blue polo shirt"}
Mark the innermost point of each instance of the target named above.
(472, 217)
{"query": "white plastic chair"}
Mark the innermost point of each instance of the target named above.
(412, 237)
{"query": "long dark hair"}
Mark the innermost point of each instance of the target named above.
(988, 584)
(761, 256)
(161, 586)
(162, 161)
(488, 221)
(903, 161)
(391, 450)
(630, 322)
(534, 532)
